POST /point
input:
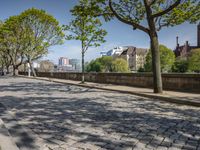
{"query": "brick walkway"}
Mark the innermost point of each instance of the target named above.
(59, 117)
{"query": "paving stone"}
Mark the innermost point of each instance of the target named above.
(72, 117)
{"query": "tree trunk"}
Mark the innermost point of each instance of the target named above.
(83, 68)
(15, 70)
(32, 69)
(24, 68)
(157, 79)
(2, 69)
(7, 70)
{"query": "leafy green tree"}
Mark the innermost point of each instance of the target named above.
(167, 59)
(94, 66)
(106, 62)
(194, 60)
(149, 16)
(11, 42)
(86, 29)
(42, 31)
(141, 69)
(120, 65)
(180, 66)
(28, 36)
(5, 61)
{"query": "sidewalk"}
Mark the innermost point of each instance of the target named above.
(6, 141)
(168, 96)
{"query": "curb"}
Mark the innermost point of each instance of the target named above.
(6, 141)
(154, 97)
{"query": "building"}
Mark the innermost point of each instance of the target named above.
(183, 51)
(75, 64)
(63, 61)
(116, 51)
(136, 57)
(66, 68)
(103, 54)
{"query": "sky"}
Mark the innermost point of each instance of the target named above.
(119, 34)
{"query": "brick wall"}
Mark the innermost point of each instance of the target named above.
(178, 82)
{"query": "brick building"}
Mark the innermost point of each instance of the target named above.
(184, 50)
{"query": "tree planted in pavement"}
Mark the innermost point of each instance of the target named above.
(86, 29)
(42, 31)
(149, 16)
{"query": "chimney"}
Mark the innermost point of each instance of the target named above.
(187, 43)
(198, 35)
(177, 44)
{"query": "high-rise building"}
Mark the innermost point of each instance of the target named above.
(63, 61)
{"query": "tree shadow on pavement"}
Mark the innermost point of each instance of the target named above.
(87, 121)
(108, 120)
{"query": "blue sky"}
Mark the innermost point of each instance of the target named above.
(119, 34)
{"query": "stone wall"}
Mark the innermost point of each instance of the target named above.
(178, 82)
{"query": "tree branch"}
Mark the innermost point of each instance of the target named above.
(167, 10)
(152, 2)
(135, 25)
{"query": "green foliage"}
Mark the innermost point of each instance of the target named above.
(180, 66)
(28, 36)
(120, 65)
(103, 64)
(164, 12)
(167, 59)
(194, 60)
(42, 31)
(94, 66)
(84, 27)
(11, 41)
(141, 69)
(149, 16)
(107, 64)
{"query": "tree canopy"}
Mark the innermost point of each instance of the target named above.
(27, 37)
(108, 64)
(180, 65)
(149, 16)
(167, 59)
(85, 28)
(194, 61)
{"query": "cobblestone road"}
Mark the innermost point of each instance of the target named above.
(68, 117)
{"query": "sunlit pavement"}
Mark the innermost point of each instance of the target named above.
(47, 115)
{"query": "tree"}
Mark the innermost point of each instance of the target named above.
(180, 66)
(42, 31)
(46, 66)
(5, 61)
(11, 42)
(106, 62)
(194, 60)
(120, 65)
(94, 66)
(149, 16)
(28, 36)
(167, 59)
(86, 29)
